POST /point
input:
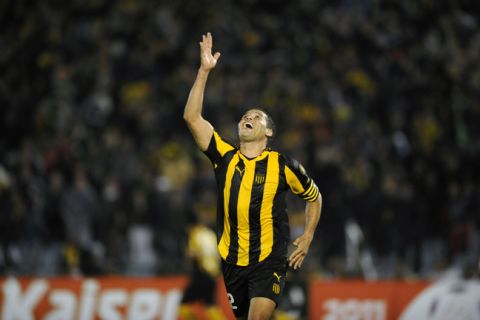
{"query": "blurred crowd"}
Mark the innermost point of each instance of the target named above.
(378, 99)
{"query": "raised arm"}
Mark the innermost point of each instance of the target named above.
(200, 128)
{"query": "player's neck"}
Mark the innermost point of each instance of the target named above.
(252, 149)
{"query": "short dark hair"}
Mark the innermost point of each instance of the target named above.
(271, 125)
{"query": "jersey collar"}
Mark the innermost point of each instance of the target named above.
(261, 156)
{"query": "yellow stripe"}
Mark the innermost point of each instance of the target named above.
(266, 217)
(312, 197)
(293, 181)
(225, 239)
(309, 191)
(222, 146)
(243, 207)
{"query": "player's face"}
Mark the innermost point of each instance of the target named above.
(253, 126)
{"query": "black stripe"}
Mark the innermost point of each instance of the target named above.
(308, 193)
(254, 210)
(281, 230)
(232, 256)
(313, 196)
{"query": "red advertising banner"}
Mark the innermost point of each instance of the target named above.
(95, 298)
(159, 298)
(361, 300)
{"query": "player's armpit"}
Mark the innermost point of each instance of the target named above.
(202, 132)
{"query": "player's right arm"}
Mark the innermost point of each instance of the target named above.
(200, 128)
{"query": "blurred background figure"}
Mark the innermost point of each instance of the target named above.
(79, 209)
(199, 298)
(454, 295)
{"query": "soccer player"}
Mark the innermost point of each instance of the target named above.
(252, 181)
(198, 301)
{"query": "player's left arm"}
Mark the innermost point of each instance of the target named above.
(302, 243)
(304, 187)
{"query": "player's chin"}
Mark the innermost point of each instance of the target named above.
(246, 137)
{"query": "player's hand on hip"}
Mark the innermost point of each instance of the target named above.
(208, 61)
(302, 244)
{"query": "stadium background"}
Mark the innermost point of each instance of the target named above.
(378, 100)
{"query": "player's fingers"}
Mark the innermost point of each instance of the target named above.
(208, 40)
(298, 248)
(292, 262)
(217, 55)
(295, 256)
(302, 252)
(300, 262)
(295, 265)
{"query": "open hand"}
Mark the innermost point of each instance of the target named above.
(208, 61)
(302, 244)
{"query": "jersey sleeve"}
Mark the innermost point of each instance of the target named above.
(299, 182)
(217, 148)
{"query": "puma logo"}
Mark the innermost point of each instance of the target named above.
(277, 276)
(241, 171)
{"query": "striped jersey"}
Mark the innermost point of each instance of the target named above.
(252, 222)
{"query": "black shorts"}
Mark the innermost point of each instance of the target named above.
(264, 279)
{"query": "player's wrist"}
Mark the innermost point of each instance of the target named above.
(308, 235)
(203, 70)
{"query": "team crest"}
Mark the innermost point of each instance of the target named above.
(276, 288)
(259, 179)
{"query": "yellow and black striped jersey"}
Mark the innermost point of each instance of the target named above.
(252, 222)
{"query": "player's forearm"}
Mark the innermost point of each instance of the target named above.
(313, 212)
(194, 105)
